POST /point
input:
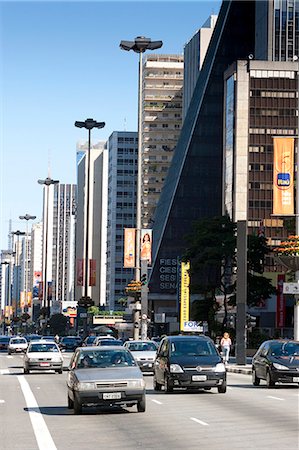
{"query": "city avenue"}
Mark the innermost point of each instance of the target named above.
(34, 415)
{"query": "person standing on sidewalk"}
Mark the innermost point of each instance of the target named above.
(225, 346)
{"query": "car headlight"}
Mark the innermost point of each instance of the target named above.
(175, 368)
(85, 386)
(220, 367)
(280, 366)
(136, 383)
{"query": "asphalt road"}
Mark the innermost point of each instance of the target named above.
(34, 415)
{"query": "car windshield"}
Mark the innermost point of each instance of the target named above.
(43, 348)
(68, 339)
(284, 349)
(105, 359)
(193, 348)
(142, 346)
(110, 342)
(4, 339)
(18, 341)
(90, 339)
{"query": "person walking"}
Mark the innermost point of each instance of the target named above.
(225, 346)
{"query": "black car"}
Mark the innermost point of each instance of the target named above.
(191, 362)
(276, 361)
(69, 343)
(4, 341)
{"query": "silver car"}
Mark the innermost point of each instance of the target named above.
(104, 376)
(43, 355)
(144, 353)
(17, 344)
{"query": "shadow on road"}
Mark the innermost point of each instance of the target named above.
(88, 411)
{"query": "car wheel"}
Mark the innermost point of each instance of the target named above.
(207, 389)
(168, 387)
(77, 406)
(141, 404)
(157, 386)
(9, 352)
(59, 371)
(269, 381)
(26, 371)
(70, 403)
(222, 388)
(255, 380)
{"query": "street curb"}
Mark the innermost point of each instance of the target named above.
(242, 370)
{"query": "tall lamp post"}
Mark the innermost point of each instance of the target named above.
(140, 45)
(88, 124)
(17, 233)
(46, 299)
(27, 217)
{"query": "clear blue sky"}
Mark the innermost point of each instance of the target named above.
(61, 62)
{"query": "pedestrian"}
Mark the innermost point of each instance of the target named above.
(225, 346)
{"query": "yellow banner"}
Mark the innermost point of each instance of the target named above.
(283, 177)
(185, 294)
(129, 248)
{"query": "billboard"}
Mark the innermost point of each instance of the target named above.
(146, 245)
(129, 247)
(185, 294)
(283, 176)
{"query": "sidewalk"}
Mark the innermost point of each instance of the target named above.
(235, 368)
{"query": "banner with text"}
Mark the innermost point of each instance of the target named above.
(283, 176)
(185, 294)
(129, 248)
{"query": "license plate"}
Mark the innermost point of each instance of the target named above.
(199, 377)
(295, 379)
(44, 364)
(111, 395)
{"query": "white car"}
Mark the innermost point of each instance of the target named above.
(43, 355)
(17, 344)
(144, 353)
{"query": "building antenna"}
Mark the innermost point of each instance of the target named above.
(125, 124)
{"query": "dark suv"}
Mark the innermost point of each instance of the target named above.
(191, 362)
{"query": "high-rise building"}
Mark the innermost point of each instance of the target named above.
(161, 124)
(194, 55)
(122, 169)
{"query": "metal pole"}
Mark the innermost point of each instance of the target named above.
(241, 292)
(45, 285)
(139, 171)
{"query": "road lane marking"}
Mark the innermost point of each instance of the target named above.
(156, 401)
(229, 387)
(275, 398)
(9, 356)
(199, 421)
(2, 401)
(42, 434)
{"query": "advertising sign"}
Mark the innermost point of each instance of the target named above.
(92, 272)
(146, 245)
(193, 326)
(283, 176)
(129, 248)
(80, 272)
(185, 294)
(280, 304)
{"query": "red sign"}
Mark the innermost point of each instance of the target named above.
(92, 272)
(280, 304)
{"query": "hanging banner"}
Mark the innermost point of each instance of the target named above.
(80, 272)
(280, 303)
(129, 247)
(283, 176)
(185, 294)
(92, 272)
(146, 245)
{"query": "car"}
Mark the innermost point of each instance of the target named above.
(69, 343)
(109, 342)
(32, 337)
(99, 338)
(48, 338)
(104, 376)
(191, 362)
(17, 344)
(43, 355)
(276, 361)
(4, 341)
(144, 353)
(89, 340)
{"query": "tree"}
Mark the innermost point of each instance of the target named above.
(58, 323)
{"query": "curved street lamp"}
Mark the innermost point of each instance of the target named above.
(46, 299)
(27, 217)
(140, 45)
(88, 124)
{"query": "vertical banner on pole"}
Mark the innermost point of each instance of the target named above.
(80, 271)
(129, 247)
(283, 176)
(185, 294)
(92, 272)
(280, 304)
(146, 245)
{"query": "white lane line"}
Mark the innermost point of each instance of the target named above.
(156, 401)
(2, 401)
(275, 398)
(42, 434)
(199, 421)
(4, 371)
(230, 388)
(9, 356)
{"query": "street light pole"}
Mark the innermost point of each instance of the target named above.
(88, 124)
(17, 233)
(26, 217)
(140, 45)
(296, 305)
(46, 299)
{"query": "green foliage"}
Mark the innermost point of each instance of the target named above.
(94, 310)
(58, 323)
